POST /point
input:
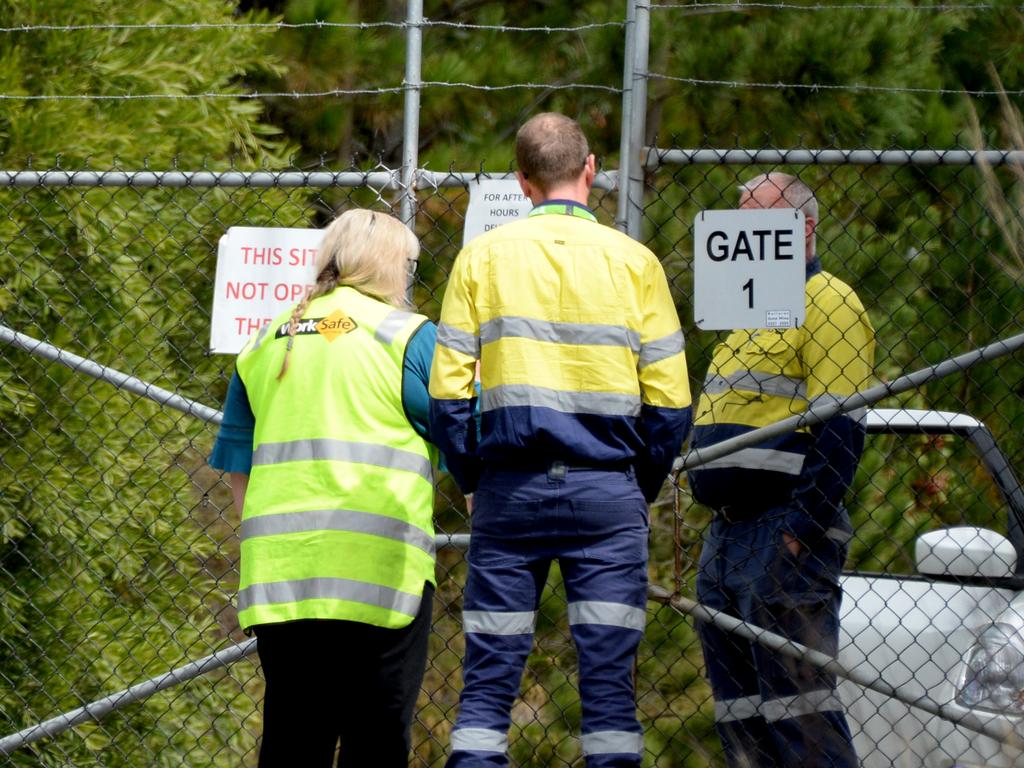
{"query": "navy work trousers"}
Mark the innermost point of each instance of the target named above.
(329, 681)
(594, 523)
(772, 711)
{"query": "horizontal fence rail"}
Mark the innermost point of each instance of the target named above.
(390, 180)
(656, 157)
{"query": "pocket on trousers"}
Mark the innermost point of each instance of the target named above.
(494, 517)
(486, 551)
(807, 578)
(708, 553)
(612, 531)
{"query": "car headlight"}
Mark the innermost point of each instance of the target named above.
(993, 677)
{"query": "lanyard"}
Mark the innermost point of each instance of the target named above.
(567, 209)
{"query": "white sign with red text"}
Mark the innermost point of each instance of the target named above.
(261, 271)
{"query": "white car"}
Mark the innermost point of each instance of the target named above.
(953, 633)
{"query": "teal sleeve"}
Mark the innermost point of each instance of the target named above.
(233, 450)
(419, 356)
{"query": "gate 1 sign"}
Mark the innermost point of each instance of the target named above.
(493, 202)
(261, 271)
(749, 269)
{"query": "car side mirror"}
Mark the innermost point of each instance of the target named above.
(965, 551)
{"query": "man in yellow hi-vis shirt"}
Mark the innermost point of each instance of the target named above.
(779, 536)
(584, 403)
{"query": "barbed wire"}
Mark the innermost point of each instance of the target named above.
(356, 25)
(195, 96)
(525, 86)
(511, 86)
(504, 28)
(426, 23)
(743, 6)
(300, 94)
(830, 86)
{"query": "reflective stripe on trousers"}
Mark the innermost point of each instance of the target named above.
(595, 524)
(746, 707)
(769, 709)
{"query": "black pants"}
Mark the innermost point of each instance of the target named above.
(329, 680)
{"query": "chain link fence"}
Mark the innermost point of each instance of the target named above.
(119, 548)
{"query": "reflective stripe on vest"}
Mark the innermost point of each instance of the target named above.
(338, 520)
(759, 382)
(767, 459)
(600, 403)
(271, 593)
(559, 332)
(323, 449)
(338, 512)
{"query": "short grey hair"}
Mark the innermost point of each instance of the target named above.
(794, 191)
(551, 149)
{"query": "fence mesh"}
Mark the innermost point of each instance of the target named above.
(119, 547)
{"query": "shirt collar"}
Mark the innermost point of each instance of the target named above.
(813, 267)
(564, 207)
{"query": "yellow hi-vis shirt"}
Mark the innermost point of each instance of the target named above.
(580, 349)
(759, 377)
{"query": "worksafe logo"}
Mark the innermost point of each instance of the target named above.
(335, 324)
(330, 327)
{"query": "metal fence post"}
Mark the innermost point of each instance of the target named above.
(411, 117)
(626, 141)
(638, 119)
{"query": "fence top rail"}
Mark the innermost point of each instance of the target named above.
(380, 179)
(606, 180)
(201, 179)
(656, 157)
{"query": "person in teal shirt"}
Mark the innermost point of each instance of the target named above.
(330, 420)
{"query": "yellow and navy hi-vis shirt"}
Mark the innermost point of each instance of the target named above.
(758, 377)
(580, 351)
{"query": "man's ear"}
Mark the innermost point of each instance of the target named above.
(524, 185)
(590, 170)
(809, 226)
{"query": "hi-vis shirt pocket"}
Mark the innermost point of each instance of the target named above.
(768, 351)
(769, 342)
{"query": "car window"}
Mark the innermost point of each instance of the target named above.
(908, 484)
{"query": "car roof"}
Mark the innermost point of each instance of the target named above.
(912, 419)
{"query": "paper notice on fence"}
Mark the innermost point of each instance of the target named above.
(493, 202)
(261, 271)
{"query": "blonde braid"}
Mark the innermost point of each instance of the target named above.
(326, 282)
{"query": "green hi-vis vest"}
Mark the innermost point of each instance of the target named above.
(338, 513)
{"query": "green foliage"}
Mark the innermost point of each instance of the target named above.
(895, 54)
(767, 46)
(103, 583)
(125, 62)
(459, 126)
(113, 567)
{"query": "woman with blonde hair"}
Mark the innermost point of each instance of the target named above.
(325, 437)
